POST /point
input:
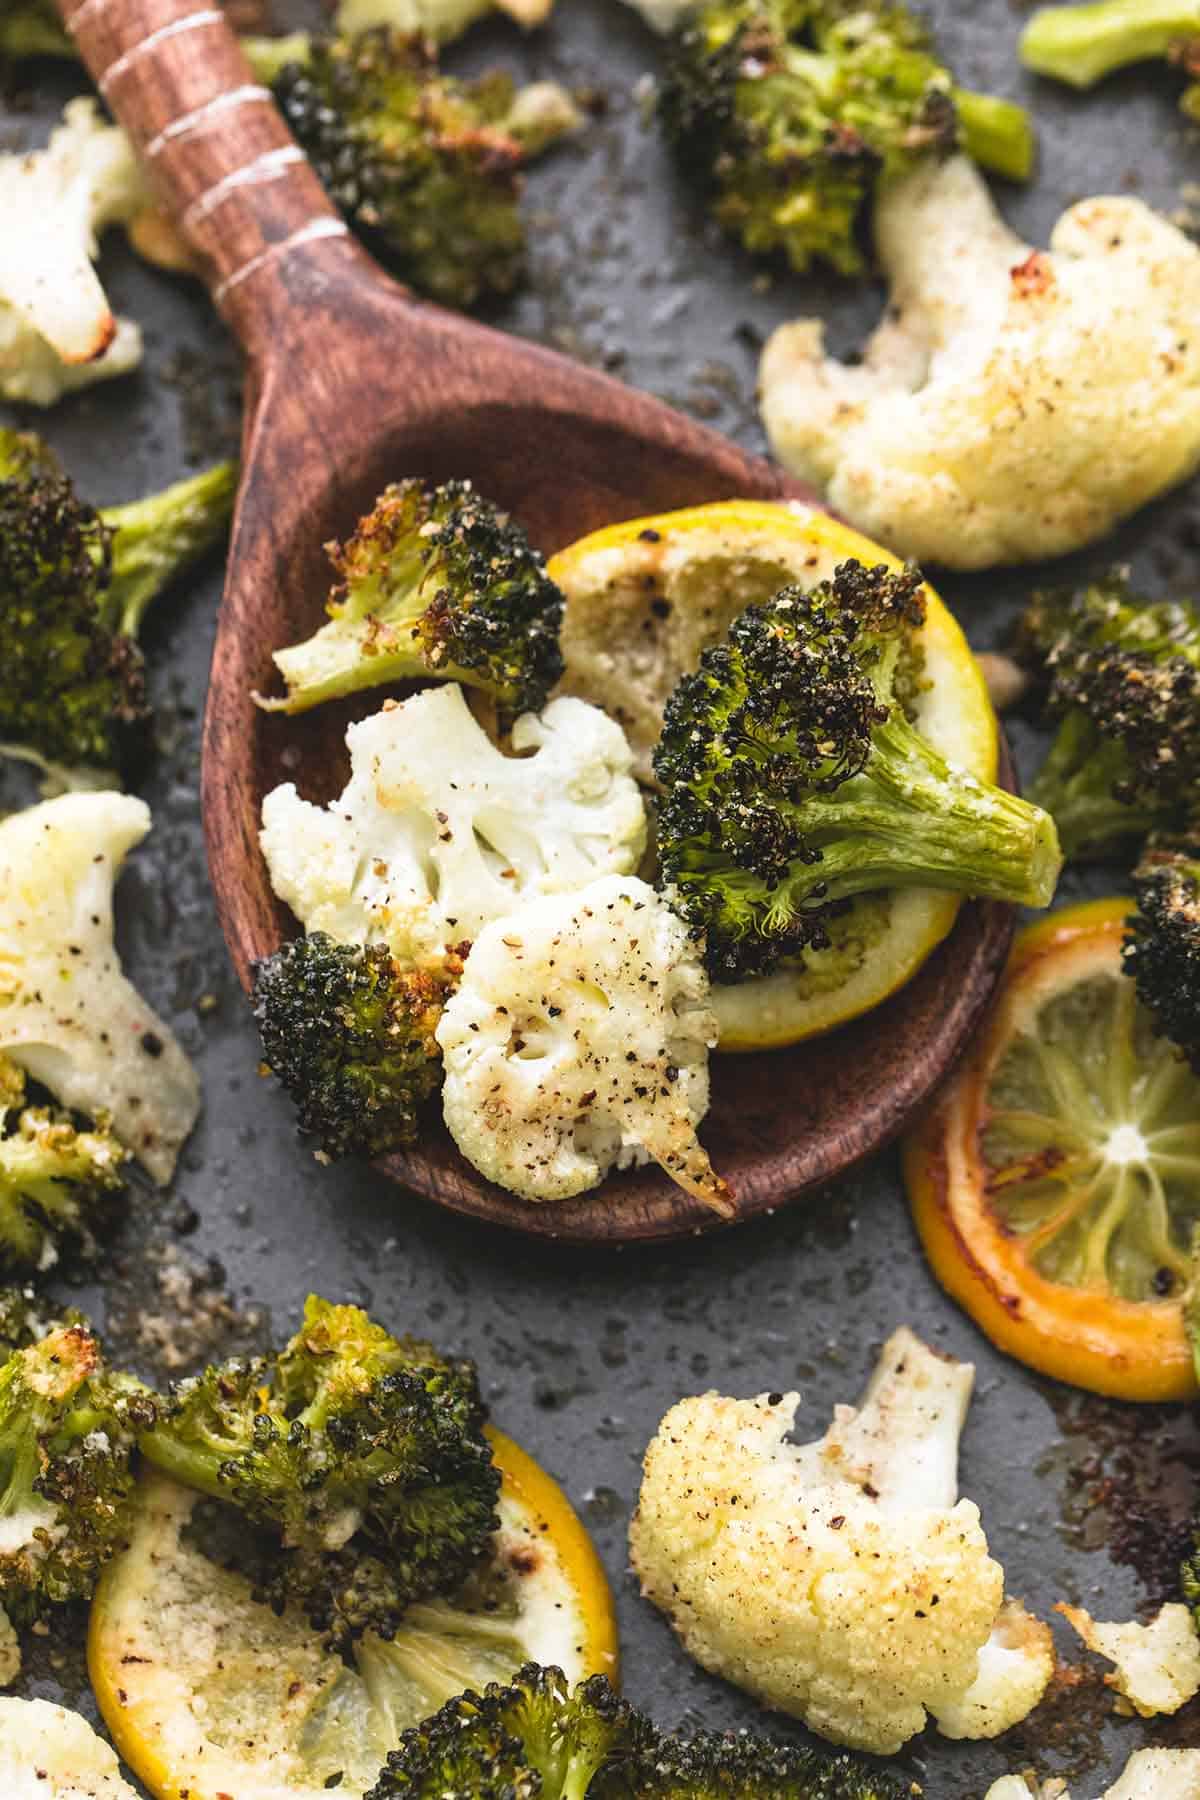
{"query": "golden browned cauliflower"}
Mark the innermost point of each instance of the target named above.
(1014, 403)
(841, 1581)
(1157, 1665)
(1148, 1775)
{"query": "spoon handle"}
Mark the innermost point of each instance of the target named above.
(219, 154)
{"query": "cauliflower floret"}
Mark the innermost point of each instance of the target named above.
(1148, 1775)
(54, 203)
(578, 1041)
(1159, 1775)
(438, 831)
(1158, 1665)
(10, 1651)
(32, 373)
(68, 1015)
(1014, 409)
(48, 1753)
(1026, 1787)
(840, 1581)
(1015, 1669)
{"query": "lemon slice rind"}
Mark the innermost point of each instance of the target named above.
(645, 598)
(206, 1692)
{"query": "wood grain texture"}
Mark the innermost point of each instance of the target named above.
(353, 383)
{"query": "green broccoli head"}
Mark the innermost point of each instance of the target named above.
(531, 1739)
(74, 585)
(1162, 944)
(435, 581)
(68, 1429)
(56, 1180)
(793, 110)
(793, 781)
(1123, 682)
(350, 1034)
(71, 690)
(1190, 1575)
(426, 168)
(737, 1766)
(365, 1454)
(1082, 44)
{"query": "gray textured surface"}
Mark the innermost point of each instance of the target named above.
(581, 1355)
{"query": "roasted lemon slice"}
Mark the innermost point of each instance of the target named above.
(1056, 1184)
(645, 598)
(207, 1694)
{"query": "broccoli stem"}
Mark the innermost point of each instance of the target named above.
(1082, 44)
(269, 56)
(1075, 786)
(19, 1468)
(911, 820)
(997, 134)
(191, 1464)
(156, 539)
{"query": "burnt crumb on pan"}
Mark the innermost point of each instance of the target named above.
(1130, 1480)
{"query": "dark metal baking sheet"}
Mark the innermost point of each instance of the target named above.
(581, 1354)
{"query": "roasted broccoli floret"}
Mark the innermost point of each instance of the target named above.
(1082, 44)
(68, 1428)
(792, 111)
(364, 1453)
(792, 780)
(1189, 1575)
(33, 28)
(426, 168)
(535, 1740)
(75, 583)
(736, 1766)
(532, 1739)
(1123, 680)
(435, 581)
(350, 1034)
(55, 1178)
(1162, 944)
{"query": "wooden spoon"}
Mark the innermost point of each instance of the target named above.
(353, 383)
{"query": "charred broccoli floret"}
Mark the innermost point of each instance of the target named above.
(364, 1453)
(350, 1034)
(1082, 44)
(426, 168)
(536, 1740)
(1190, 1573)
(736, 1766)
(1162, 944)
(792, 111)
(68, 1428)
(1123, 680)
(532, 1739)
(75, 583)
(435, 581)
(55, 1178)
(792, 780)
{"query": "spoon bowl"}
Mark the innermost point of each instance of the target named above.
(352, 383)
